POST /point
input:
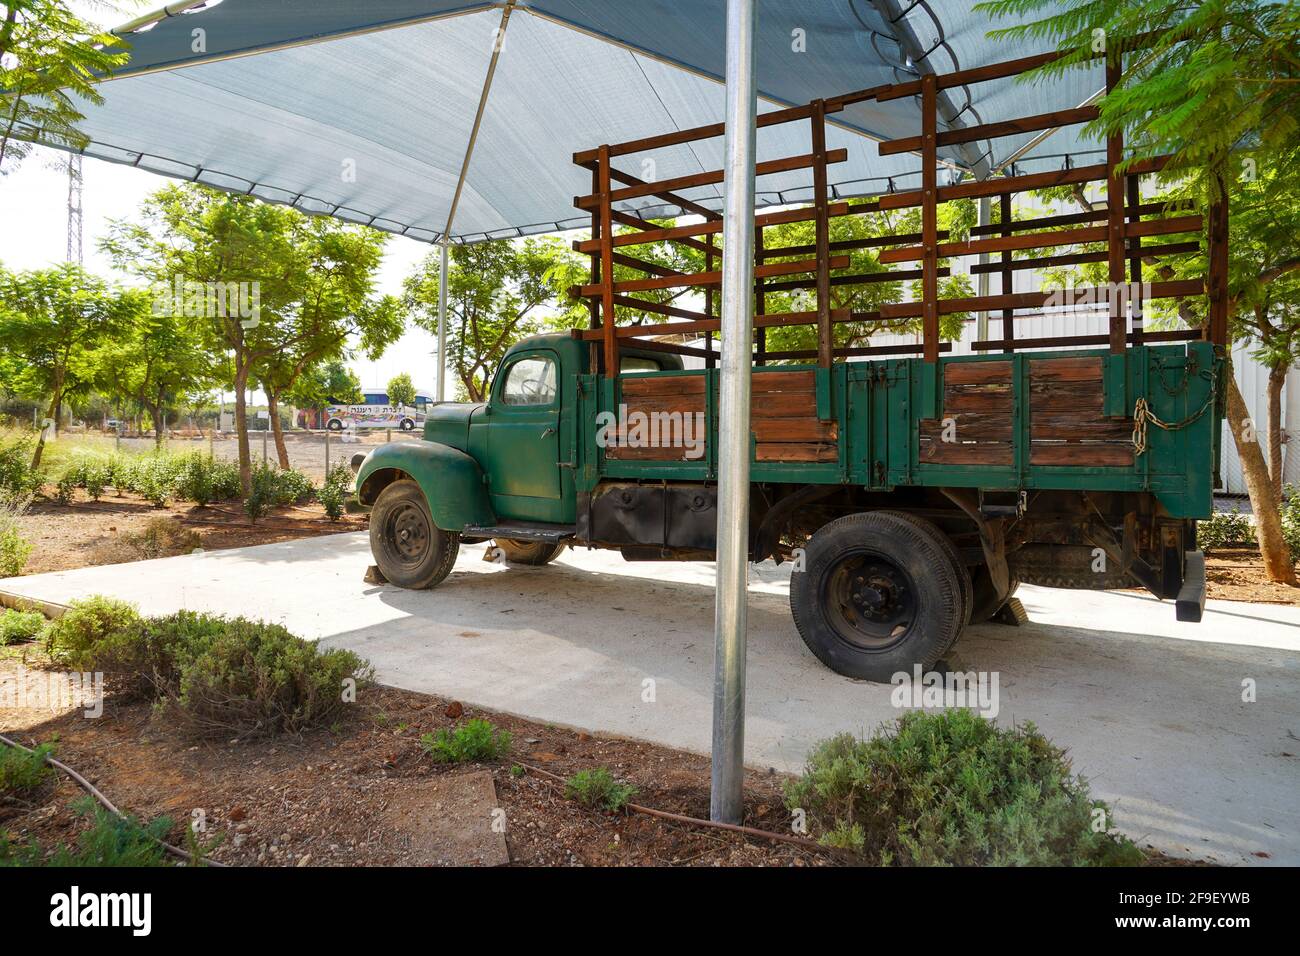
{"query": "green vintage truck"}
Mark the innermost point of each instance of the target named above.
(899, 537)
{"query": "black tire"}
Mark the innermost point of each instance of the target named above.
(535, 553)
(406, 425)
(963, 572)
(877, 595)
(334, 425)
(987, 600)
(409, 549)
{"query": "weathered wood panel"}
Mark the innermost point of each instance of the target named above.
(802, 451)
(794, 430)
(967, 453)
(1081, 453)
(1066, 424)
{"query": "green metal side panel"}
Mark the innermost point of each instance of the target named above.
(451, 480)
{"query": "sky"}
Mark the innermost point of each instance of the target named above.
(34, 195)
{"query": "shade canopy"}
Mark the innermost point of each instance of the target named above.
(394, 112)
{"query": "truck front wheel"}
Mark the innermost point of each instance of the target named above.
(877, 594)
(409, 549)
(529, 552)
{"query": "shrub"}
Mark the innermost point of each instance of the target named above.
(293, 488)
(1223, 529)
(21, 771)
(597, 788)
(951, 788)
(262, 492)
(16, 475)
(14, 548)
(196, 480)
(67, 484)
(93, 634)
(334, 493)
(474, 740)
(164, 537)
(1291, 520)
(110, 841)
(98, 476)
(250, 676)
(17, 627)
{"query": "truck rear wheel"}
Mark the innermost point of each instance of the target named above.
(878, 594)
(409, 549)
(950, 549)
(529, 552)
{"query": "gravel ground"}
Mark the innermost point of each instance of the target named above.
(306, 449)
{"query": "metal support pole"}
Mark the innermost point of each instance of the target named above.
(726, 802)
(441, 389)
(982, 287)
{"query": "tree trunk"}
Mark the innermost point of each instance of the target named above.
(1276, 379)
(1268, 520)
(241, 426)
(55, 404)
(156, 413)
(273, 409)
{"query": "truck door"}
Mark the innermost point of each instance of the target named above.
(523, 453)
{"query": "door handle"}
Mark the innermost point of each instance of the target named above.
(548, 432)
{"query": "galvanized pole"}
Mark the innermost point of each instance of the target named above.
(726, 803)
(441, 390)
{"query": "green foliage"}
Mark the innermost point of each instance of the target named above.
(326, 383)
(497, 293)
(50, 62)
(21, 771)
(66, 486)
(334, 493)
(952, 789)
(1291, 521)
(1223, 529)
(110, 841)
(401, 390)
(18, 627)
(274, 488)
(77, 639)
(14, 548)
(474, 740)
(597, 788)
(17, 477)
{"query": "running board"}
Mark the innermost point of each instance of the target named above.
(1191, 596)
(521, 531)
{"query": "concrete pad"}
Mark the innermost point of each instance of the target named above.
(1151, 710)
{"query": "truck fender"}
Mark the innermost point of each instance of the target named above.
(451, 480)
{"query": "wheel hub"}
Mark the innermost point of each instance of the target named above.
(870, 600)
(410, 534)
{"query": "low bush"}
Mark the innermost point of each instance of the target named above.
(333, 495)
(17, 478)
(250, 677)
(203, 479)
(14, 547)
(1223, 529)
(65, 487)
(474, 740)
(18, 627)
(953, 789)
(164, 537)
(96, 634)
(597, 788)
(1291, 520)
(110, 841)
(22, 771)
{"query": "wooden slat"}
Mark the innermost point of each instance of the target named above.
(960, 399)
(820, 157)
(929, 219)
(1049, 428)
(636, 386)
(713, 228)
(1037, 300)
(1078, 258)
(710, 177)
(605, 287)
(1083, 369)
(783, 451)
(706, 278)
(1081, 399)
(1176, 335)
(768, 320)
(661, 404)
(648, 453)
(1115, 217)
(1012, 127)
(794, 430)
(977, 373)
(1082, 454)
(970, 247)
(970, 427)
(958, 453)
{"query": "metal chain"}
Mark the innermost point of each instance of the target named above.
(1143, 415)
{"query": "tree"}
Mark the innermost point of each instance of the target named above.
(326, 383)
(497, 294)
(401, 391)
(275, 290)
(1214, 84)
(158, 361)
(49, 58)
(53, 321)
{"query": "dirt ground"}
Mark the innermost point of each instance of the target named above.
(324, 799)
(1237, 574)
(306, 449)
(86, 533)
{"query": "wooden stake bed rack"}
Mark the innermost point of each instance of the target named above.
(1071, 413)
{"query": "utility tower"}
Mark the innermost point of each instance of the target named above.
(74, 253)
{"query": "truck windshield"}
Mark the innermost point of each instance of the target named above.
(530, 381)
